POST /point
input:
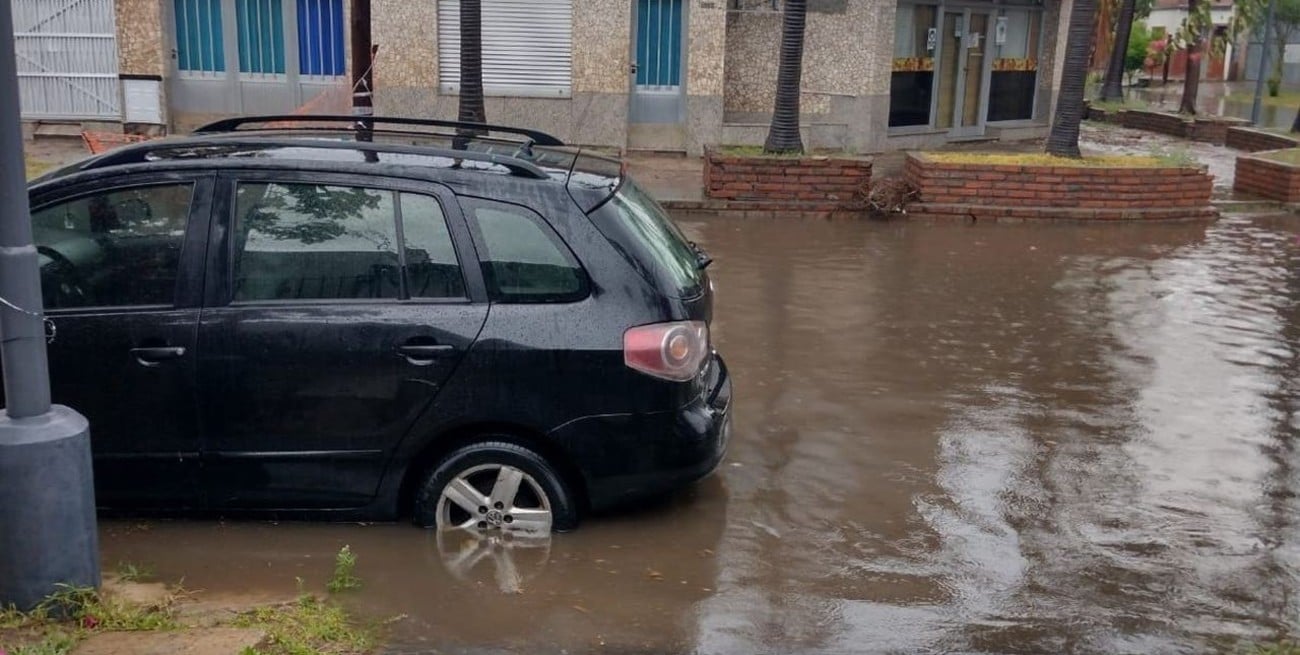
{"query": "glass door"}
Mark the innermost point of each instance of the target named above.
(962, 96)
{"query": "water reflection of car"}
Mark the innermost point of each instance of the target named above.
(496, 332)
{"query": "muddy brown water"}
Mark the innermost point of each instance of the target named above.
(1024, 439)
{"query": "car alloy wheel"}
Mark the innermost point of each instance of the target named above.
(494, 497)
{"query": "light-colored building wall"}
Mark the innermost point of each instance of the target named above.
(141, 46)
(730, 67)
(846, 77)
(406, 75)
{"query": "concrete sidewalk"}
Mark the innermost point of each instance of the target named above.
(671, 179)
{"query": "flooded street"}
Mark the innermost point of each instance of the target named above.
(1024, 439)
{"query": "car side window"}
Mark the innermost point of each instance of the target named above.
(522, 259)
(118, 248)
(432, 270)
(314, 242)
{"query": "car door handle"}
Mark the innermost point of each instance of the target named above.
(425, 352)
(151, 356)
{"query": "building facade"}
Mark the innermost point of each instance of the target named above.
(672, 75)
(1167, 17)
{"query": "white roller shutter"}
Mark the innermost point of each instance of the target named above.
(527, 47)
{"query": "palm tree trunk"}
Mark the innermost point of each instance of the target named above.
(1192, 79)
(1113, 89)
(471, 108)
(783, 136)
(1063, 141)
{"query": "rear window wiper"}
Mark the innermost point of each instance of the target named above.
(702, 259)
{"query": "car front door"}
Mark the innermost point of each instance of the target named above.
(121, 268)
(325, 336)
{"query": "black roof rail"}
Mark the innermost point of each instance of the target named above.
(138, 152)
(233, 124)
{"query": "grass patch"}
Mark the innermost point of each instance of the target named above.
(1280, 648)
(1292, 157)
(306, 627)
(1120, 105)
(70, 615)
(1285, 99)
(56, 642)
(36, 168)
(1043, 159)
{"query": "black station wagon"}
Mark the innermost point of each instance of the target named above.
(471, 325)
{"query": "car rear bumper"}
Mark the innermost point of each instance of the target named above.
(625, 457)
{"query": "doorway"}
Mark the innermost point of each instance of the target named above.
(657, 102)
(961, 101)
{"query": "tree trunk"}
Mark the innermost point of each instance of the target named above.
(1192, 79)
(1295, 125)
(1063, 141)
(1103, 34)
(1169, 56)
(1113, 89)
(471, 109)
(783, 136)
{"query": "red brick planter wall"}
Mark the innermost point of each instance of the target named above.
(1156, 121)
(1267, 178)
(1244, 138)
(1209, 129)
(1050, 192)
(804, 184)
(1103, 115)
(1214, 129)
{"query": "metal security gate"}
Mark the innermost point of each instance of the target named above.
(658, 27)
(254, 56)
(67, 59)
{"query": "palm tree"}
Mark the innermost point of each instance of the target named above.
(1063, 141)
(471, 109)
(1113, 89)
(783, 136)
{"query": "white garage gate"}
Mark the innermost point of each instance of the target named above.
(67, 59)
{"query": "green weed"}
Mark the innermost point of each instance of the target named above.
(129, 572)
(306, 627)
(1284, 647)
(344, 578)
(56, 642)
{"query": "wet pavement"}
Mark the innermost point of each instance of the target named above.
(1023, 439)
(1235, 99)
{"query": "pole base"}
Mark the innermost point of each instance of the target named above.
(48, 533)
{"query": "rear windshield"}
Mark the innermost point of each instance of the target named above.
(645, 222)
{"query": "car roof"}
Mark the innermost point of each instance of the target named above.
(416, 148)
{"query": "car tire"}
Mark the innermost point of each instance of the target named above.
(479, 471)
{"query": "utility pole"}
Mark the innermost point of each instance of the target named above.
(363, 55)
(48, 534)
(1263, 63)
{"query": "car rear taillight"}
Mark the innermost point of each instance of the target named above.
(671, 351)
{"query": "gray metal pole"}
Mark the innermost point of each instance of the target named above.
(47, 501)
(22, 348)
(1256, 108)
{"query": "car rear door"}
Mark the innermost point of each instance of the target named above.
(121, 272)
(323, 339)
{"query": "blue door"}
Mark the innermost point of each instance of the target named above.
(657, 90)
